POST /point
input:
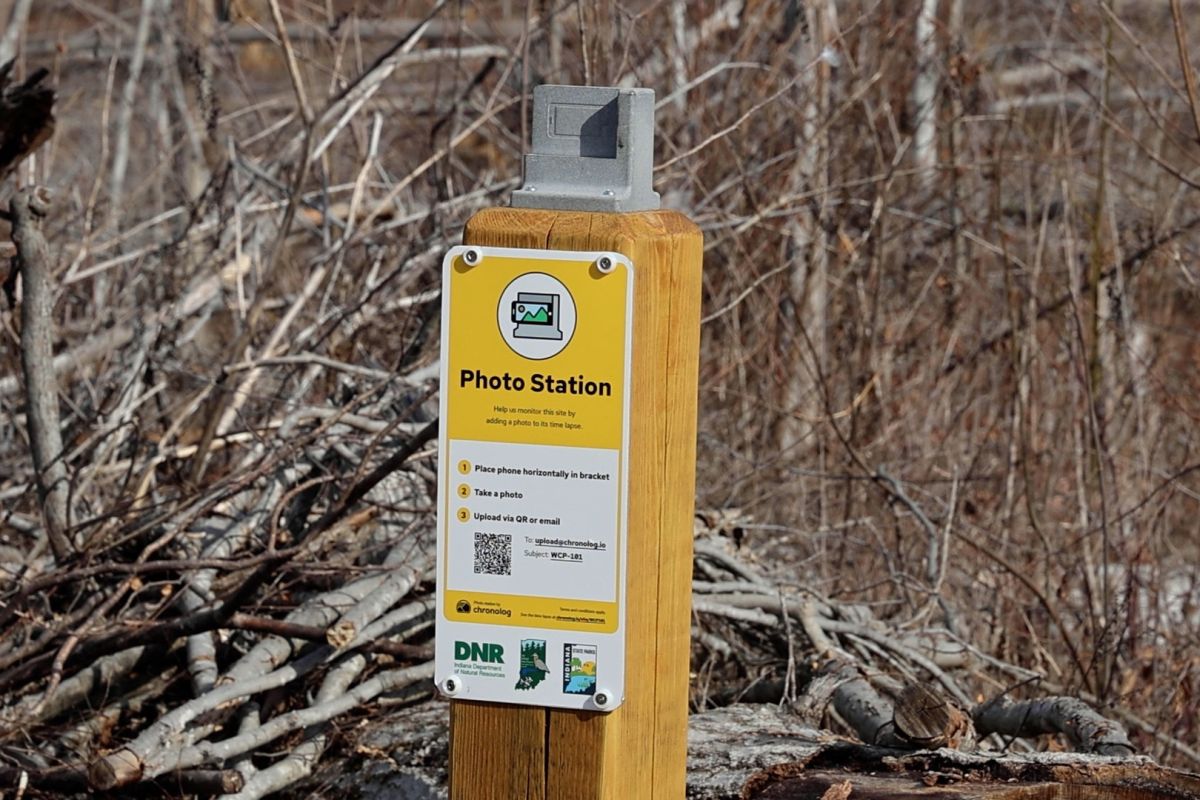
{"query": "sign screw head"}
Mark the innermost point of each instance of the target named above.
(472, 256)
(605, 264)
(451, 685)
(603, 699)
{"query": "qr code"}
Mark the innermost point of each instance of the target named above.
(493, 554)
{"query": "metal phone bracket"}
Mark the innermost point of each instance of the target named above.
(593, 150)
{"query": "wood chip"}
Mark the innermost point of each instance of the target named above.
(839, 791)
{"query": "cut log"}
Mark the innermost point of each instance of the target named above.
(728, 745)
(877, 773)
(865, 710)
(729, 750)
(117, 769)
(923, 719)
(769, 752)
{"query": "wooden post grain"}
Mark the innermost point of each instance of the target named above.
(507, 752)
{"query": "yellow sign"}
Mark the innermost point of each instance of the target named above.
(534, 397)
(532, 481)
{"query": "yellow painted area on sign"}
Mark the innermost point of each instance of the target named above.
(536, 353)
(531, 612)
(574, 398)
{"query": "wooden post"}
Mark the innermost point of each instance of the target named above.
(506, 752)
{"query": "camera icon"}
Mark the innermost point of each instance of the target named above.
(536, 316)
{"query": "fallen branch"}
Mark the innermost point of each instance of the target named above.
(201, 647)
(63, 780)
(132, 762)
(394, 587)
(254, 673)
(300, 761)
(155, 633)
(217, 617)
(206, 752)
(1085, 729)
(101, 343)
(248, 622)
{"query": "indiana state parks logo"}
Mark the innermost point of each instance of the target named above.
(533, 664)
(579, 669)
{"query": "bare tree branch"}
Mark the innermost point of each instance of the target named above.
(29, 208)
(13, 30)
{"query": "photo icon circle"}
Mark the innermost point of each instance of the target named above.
(536, 315)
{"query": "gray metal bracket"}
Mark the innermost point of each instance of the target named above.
(593, 150)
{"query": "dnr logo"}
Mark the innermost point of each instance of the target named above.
(487, 652)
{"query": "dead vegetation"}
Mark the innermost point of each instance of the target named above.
(949, 395)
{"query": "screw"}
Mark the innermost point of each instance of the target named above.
(451, 686)
(472, 256)
(603, 699)
(604, 264)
